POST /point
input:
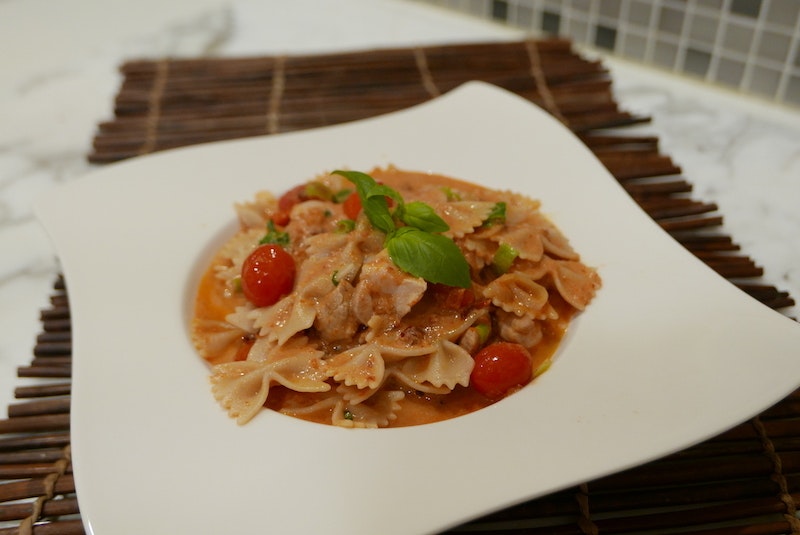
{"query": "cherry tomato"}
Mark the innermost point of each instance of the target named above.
(501, 368)
(295, 195)
(286, 202)
(352, 205)
(267, 275)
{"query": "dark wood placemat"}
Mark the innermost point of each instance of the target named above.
(745, 481)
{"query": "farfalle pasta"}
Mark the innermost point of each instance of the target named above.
(399, 285)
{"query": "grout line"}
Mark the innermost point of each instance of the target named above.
(788, 66)
(717, 49)
(622, 36)
(750, 62)
(650, 48)
(683, 38)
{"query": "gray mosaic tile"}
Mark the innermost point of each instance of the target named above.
(703, 29)
(665, 54)
(639, 12)
(764, 81)
(524, 16)
(578, 30)
(730, 72)
(711, 4)
(551, 22)
(610, 8)
(738, 38)
(793, 90)
(605, 37)
(500, 10)
(696, 62)
(783, 12)
(670, 20)
(634, 46)
(748, 8)
(774, 46)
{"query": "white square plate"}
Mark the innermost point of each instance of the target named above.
(667, 355)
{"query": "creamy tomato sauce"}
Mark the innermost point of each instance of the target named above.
(358, 342)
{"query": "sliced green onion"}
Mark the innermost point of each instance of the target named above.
(451, 195)
(341, 195)
(343, 226)
(484, 330)
(503, 258)
(318, 190)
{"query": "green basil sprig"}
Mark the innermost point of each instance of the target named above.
(412, 231)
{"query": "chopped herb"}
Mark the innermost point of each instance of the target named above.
(335, 278)
(503, 258)
(341, 195)
(318, 190)
(451, 195)
(497, 215)
(343, 226)
(348, 415)
(274, 235)
(412, 233)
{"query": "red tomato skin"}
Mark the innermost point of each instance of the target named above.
(352, 206)
(500, 368)
(286, 202)
(294, 196)
(267, 275)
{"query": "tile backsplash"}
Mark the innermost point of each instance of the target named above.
(752, 46)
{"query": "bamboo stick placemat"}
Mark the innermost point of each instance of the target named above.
(744, 482)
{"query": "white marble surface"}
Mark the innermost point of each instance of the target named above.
(59, 75)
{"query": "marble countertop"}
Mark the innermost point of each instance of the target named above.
(60, 73)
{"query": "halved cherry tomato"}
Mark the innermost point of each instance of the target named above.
(352, 206)
(291, 197)
(267, 275)
(286, 202)
(501, 368)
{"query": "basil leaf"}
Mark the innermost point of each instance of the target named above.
(377, 210)
(385, 191)
(362, 181)
(422, 216)
(433, 257)
(341, 195)
(373, 199)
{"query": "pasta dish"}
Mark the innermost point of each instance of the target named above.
(386, 299)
